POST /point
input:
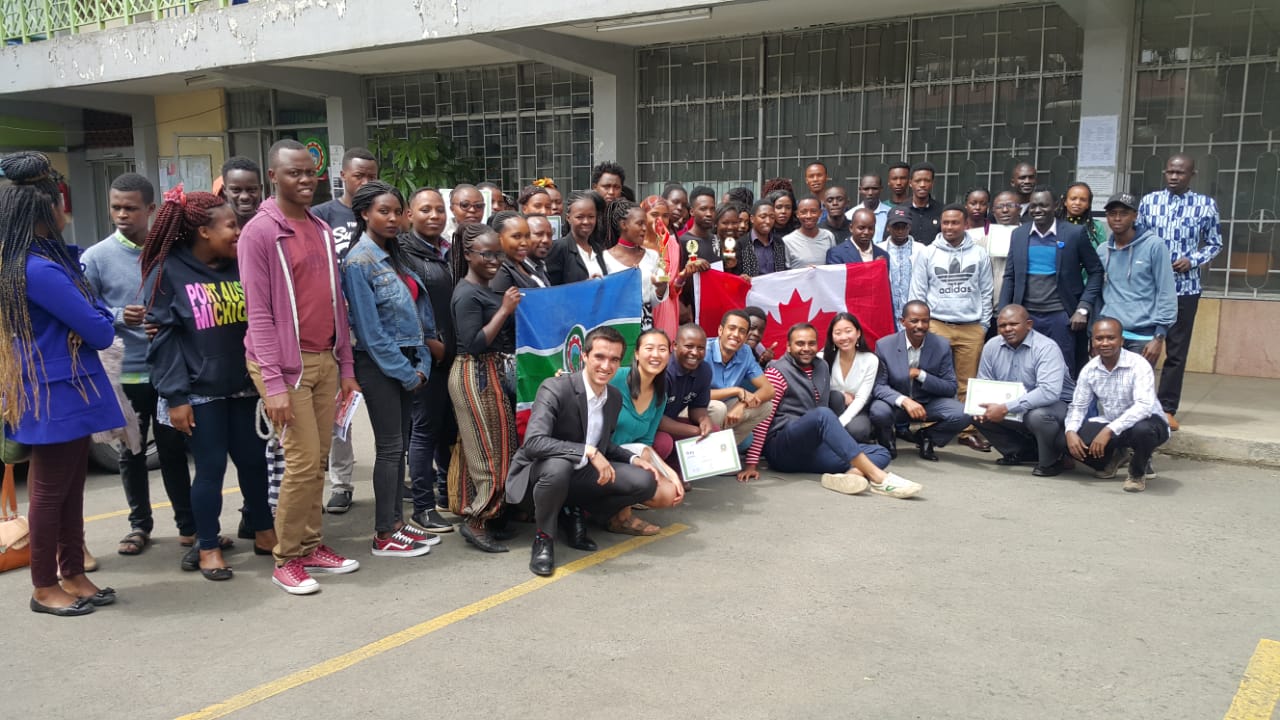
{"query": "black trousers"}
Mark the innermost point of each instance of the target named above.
(1039, 431)
(1176, 347)
(431, 440)
(557, 483)
(171, 446)
(1144, 437)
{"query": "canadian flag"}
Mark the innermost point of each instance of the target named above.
(813, 295)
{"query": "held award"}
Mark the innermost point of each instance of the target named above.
(692, 247)
(729, 246)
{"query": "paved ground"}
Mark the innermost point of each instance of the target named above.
(995, 595)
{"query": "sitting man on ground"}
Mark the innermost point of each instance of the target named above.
(916, 382)
(1022, 355)
(568, 456)
(803, 434)
(688, 389)
(739, 393)
(1133, 422)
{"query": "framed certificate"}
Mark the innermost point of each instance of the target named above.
(992, 391)
(715, 454)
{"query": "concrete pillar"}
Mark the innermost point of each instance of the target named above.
(1104, 100)
(84, 205)
(613, 106)
(146, 146)
(345, 116)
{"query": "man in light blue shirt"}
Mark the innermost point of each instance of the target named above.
(1022, 355)
(869, 188)
(741, 397)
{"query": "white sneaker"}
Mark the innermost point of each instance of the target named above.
(847, 483)
(896, 486)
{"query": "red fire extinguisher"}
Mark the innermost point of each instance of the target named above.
(66, 196)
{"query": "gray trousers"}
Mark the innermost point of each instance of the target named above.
(1041, 428)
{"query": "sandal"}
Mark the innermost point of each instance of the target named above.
(633, 526)
(224, 542)
(134, 543)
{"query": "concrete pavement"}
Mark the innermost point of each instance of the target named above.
(994, 595)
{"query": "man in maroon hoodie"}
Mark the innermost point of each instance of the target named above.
(299, 350)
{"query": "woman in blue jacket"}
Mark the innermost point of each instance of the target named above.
(197, 364)
(55, 391)
(391, 318)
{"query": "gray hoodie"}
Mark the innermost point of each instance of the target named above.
(1138, 289)
(955, 282)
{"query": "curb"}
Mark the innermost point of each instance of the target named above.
(1200, 446)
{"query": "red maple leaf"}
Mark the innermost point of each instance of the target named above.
(795, 310)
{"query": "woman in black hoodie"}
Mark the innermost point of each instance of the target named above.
(197, 364)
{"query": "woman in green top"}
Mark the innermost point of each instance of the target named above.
(644, 399)
(1075, 209)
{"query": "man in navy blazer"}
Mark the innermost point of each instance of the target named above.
(1043, 274)
(860, 246)
(916, 382)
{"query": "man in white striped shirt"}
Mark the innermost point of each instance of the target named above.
(1129, 418)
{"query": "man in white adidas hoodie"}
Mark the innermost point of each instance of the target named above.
(953, 277)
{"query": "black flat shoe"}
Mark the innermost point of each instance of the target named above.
(482, 541)
(191, 559)
(432, 522)
(1048, 471)
(542, 561)
(82, 606)
(105, 596)
(217, 574)
(1009, 460)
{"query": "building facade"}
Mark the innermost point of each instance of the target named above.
(717, 93)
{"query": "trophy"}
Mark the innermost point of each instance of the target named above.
(692, 247)
(662, 276)
(729, 246)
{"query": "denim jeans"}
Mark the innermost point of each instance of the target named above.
(228, 427)
(390, 409)
(434, 431)
(816, 442)
(172, 449)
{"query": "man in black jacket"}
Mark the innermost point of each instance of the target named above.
(568, 456)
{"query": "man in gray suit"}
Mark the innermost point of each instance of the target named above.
(916, 382)
(568, 456)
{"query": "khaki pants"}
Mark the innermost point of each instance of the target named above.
(966, 342)
(300, 512)
(750, 419)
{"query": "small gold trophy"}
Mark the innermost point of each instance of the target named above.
(663, 278)
(692, 247)
(729, 246)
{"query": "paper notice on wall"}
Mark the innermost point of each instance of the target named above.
(1098, 138)
(1102, 181)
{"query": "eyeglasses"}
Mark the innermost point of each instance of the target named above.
(487, 255)
(1005, 205)
(471, 205)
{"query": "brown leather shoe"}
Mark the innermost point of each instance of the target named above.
(974, 442)
(1173, 422)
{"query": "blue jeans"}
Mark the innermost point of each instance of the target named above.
(227, 427)
(816, 442)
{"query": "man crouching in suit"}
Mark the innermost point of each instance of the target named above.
(568, 454)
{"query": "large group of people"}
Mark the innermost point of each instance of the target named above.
(249, 323)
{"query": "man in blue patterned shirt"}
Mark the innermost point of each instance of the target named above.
(1188, 223)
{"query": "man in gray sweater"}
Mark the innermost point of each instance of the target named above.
(114, 272)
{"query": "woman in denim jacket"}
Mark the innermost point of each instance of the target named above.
(391, 319)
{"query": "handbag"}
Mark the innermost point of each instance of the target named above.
(15, 550)
(13, 452)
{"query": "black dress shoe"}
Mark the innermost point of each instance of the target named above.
(1048, 471)
(542, 561)
(431, 521)
(574, 527)
(191, 559)
(973, 442)
(1009, 460)
(908, 435)
(886, 440)
(82, 606)
(481, 540)
(926, 449)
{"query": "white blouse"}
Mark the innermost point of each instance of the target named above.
(859, 382)
(648, 266)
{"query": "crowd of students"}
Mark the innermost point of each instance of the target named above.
(247, 321)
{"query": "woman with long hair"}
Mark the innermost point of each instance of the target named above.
(784, 208)
(730, 218)
(391, 318)
(1076, 208)
(853, 373)
(657, 237)
(644, 400)
(482, 384)
(517, 270)
(196, 362)
(627, 225)
(57, 394)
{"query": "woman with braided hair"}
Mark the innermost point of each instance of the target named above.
(627, 232)
(54, 389)
(196, 362)
(482, 385)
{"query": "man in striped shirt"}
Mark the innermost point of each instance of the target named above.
(1188, 223)
(802, 433)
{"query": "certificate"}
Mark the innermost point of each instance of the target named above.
(992, 391)
(715, 454)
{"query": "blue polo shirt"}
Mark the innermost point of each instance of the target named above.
(687, 389)
(738, 372)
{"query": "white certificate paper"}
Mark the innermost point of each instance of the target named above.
(992, 391)
(715, 454)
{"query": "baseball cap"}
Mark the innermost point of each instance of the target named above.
(1123, 198)
(898, 215)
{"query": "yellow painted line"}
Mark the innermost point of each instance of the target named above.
(391, 642)
(122, 513)
(1260, 687)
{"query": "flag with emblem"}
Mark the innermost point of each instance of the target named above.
(813, 295)
(551, 324)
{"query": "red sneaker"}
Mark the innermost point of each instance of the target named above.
(294, 579)
(324, 560)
